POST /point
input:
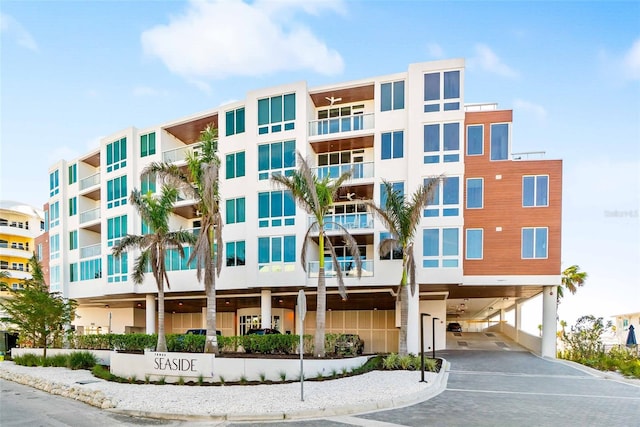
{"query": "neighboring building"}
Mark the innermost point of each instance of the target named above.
(489, 241)
(622, 323)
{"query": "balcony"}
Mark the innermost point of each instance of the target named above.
(90, 251)
(341, 125)
(528, 155)
(90, 215)
(14, 224)
(350, 221)
(90, 181)
(358, 170)
(179, 154)
(347, 267)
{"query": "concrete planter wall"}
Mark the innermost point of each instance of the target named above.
(103, 356)
(171, 367)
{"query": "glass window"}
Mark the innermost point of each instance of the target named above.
(432, 87)
(278, 158)
(451, 136)
(54, 246)
(385, 97)
(73, 173)
(235, 165)
(117, 192)
(451, 84)
(148, 144)
(392, 145)
(279, 111)
(396, 253)
(475, 140)
(117, 268)
(445, 200)
(440, 247)
(474, 243)
(442, 143)
(235, 253)
(54, 214)
(116, 229)
(274, 251)
(392, 96)
(73, 206)
(148, 183)
(276, 208)
(534, 242)
(535, 190)
(235, 210)
(398, 187)
(499, 141)
(73, 240)
(234, 123)
(54, 183)
(474, 193)
(74, 275)
(117, 154)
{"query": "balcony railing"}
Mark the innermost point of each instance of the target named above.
(342, 124)
(350, 221)
(179, 154)
(90, 215)
(14, 245)
(348, 268)
(528, 155)
(14, 224)
(90, 181)
(358, 170)
(90, 251)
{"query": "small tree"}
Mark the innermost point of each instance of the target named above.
(38, 314)
(572, 278)
(585, 339)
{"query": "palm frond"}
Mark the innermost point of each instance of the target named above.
(140, 267)
(307, 238)
(411, 269)
(342, 290)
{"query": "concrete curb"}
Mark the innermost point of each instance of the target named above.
(607, 375)
(434, 389)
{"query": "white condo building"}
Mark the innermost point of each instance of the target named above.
(488, 242)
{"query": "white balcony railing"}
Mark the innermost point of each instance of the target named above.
(90, 215)
(358, 170)
(90, 181)
(342, 124)
(347, 266)
(350, 221)
(179, 154)
(90, 251)
(528, 155)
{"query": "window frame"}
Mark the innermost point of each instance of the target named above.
(491, 150)
(237, 203)
(481, 153)
(396, 93)
(442, 155)
(442, 259)
(533, 242)
(235, 160)
(392, 143)
(535, 191)
(147, 146)
(467, 206)
(438, 205)
(466, 246)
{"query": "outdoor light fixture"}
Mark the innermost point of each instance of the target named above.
(180, 303)
(139, 304)
(280, 300)
(227, 302)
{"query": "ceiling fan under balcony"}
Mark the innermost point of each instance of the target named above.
(349, 196)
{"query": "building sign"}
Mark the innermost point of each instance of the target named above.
(179, 364)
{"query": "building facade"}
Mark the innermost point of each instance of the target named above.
(490, 238)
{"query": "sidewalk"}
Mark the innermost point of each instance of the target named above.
(363, 393)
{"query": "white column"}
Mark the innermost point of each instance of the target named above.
(413, 323)
(502, 316)
(518, 320)
(265, 307)
(549, 316)
(151, 313)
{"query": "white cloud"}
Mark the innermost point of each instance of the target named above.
(631, 61)
(12, 28)
(537, 110)
(486, 59)
(434, 50)
(215, 39)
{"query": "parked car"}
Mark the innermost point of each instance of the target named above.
(262, 331)
(349, 344)
(454, 327)
(199, 332)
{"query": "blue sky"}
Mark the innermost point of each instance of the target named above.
(72, 72)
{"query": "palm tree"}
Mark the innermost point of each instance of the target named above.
(572, 278)
(4, 285)
(200, 183)
(401, 218)
(316, 196)
(155, 212)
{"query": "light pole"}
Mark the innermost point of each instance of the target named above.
(433, 337)
(422, 316)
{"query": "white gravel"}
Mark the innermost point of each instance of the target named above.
(374, 390)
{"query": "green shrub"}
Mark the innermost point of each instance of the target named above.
(58, 360)
(100, 371)
(28, 359)
(81, 360)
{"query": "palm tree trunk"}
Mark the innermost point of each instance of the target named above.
(162, 342)
(404, 310)
(211, 344)
(321, 302)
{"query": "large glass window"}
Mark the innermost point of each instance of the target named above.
(116, 229)
(148, 183)
(278, 158)
(392, 96)
(148, 144)
(54, 214)
(499, 141)
(475, 140)
(276, 208)
(276, 254)
(396, 253)
(91, 269)
(440, 247)
(534, 242)
(392, 145)
(117, 155)
(234, 122)
(442, 91)
(117, 192)
(54, 183)
(475, 193)
(535, 190)
(277, 111)
(73, 240)
(55, 284)
(474, 243)
(117, 268)
(54, 246)
(235, 210)
(73, 206)
(398, 187)
(441, 143)
(73, 173)
(235, 253)
(74, 274)
(336, 163)
(446, 198)
(235, 165)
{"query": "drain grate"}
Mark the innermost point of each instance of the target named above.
(490, 334)
(457, 334)
(463, 344)
(501, 344)
(87, 381)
